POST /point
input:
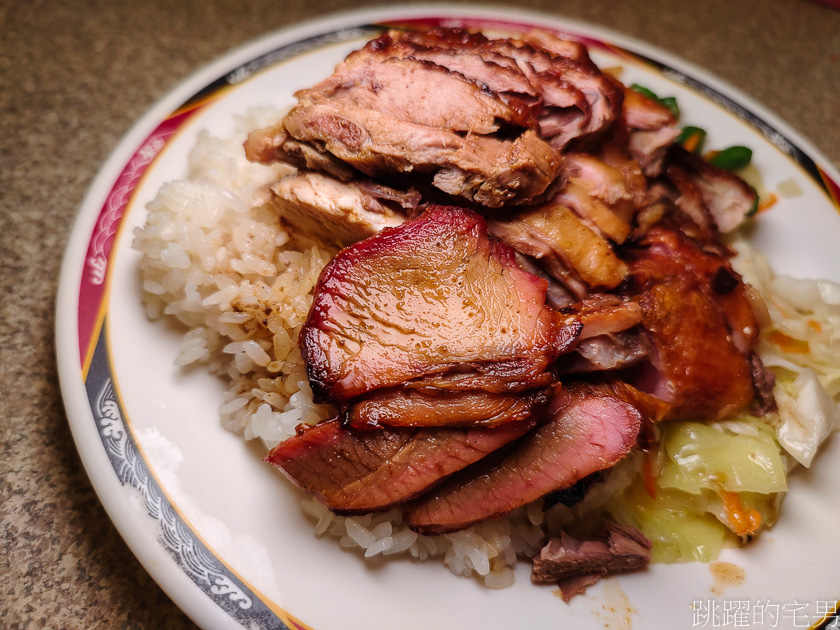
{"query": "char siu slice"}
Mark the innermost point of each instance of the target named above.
(430, 407)
(431, 297)
(696, 365)
(355, 472)
(590, 428)
(575, 564)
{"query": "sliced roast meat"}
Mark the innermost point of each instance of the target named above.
(430, 297)
(552, 232)
(695, 365)
(596, 214)
(576, 563)
(435, 407)
(352, 471)
(418, 92)
(569, 95)
(336, 212)
(490, 170)
(652, 130)
(590, 427)
(728, 198)
(763, 383)
(274, 144)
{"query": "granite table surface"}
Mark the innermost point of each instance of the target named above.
(74, 76)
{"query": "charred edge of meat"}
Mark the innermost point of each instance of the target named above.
(572, 495)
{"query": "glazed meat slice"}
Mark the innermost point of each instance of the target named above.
(353, 471)
(590, 428)
(575, 563)
(430, 297)
(336, 212)
(430, 407)
(552, 232)
(696, 365)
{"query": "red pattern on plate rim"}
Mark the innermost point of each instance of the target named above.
(97, 260)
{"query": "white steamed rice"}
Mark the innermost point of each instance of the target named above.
(242, 285)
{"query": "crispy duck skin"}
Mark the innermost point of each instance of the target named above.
(590, 427)
(358, 471)
(430, 407)
(696, 365)
(430, 297)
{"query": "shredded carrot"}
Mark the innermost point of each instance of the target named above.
(788, 344)
(708, 155)
(768, 202)
(742, 521)
(692, 142)
(815, 326)
(649, 474)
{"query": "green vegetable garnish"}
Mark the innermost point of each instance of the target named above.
(671, 103)
(644, 91)
(692, 138)
(732, 158)
(668, 101)
(754, 207)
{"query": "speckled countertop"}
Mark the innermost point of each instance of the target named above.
(74, 76)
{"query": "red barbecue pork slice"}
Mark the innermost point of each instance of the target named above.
(357, 471)
(695, 364)
(590, 428)
(429, 297)
(429, 407)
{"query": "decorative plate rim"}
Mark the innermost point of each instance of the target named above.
(94, 410)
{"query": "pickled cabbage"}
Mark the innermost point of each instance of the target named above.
(713, 483)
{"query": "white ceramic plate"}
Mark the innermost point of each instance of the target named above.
(222, 533)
